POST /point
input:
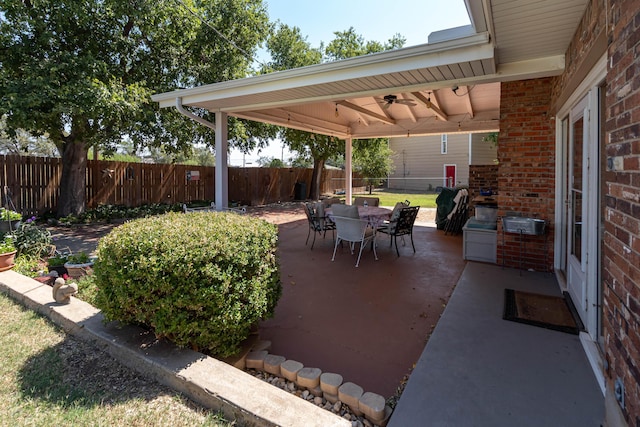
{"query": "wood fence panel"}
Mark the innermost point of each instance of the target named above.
(34, 183)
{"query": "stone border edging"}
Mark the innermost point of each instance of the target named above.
(207, 381)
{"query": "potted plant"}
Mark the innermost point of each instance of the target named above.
(56, 263)
(7, 253)
(9, 220)
(78, 265)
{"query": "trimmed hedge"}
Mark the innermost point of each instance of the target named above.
(200, 279)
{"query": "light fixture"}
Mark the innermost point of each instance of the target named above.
(337, 114)
(407, 134)
(455, 89)
(459, 126)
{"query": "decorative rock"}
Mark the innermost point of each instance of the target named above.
(347, 416)
(383, 422)
(317, 400)
(272, 363)
(329, 383)
(350, 394)
(255, 359)
(357, 423)
(291, 386)
(305, 394)
(316, 391)
(290, 368)
(309, 377)
(337, 406)
(333, 398)
(372, 406)
(367, 423)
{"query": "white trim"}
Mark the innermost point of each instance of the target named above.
(594, 356)
(222, 168)
(474, 48)
(348, 168)
(444, 143)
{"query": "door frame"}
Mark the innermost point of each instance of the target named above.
(444, 173)
(590, 87)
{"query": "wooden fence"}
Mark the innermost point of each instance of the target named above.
(33, 183)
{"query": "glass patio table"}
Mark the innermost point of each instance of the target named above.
(375, 215)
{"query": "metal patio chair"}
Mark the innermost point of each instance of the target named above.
(402, 226)
(318, 222)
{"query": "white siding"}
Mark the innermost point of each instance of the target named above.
(419, 165)
(482, 152)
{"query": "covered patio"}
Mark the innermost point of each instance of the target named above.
(525, 70)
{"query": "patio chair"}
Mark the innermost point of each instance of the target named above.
(349, 211)
(401, 226)
(330, 201)
(354, 231)
(318, 222)
(371, 201)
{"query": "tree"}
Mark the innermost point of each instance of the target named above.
(270, 162)
(82, 73)
(24, 144)
(372, 159)
(348, 44)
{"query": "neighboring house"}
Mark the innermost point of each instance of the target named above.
(424, 163)
(559, 80)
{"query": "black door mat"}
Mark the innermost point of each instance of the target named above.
(546, 311)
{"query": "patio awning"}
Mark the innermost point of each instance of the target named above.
(347, 98)
(449, 85)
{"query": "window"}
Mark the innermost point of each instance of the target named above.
(443, 144)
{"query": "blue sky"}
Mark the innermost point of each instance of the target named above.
(376, 20)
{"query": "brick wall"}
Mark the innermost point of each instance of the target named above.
(526, 160)
(621, 271)
(482, 176)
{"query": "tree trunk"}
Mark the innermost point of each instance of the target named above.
(73, 181)
(316, 176)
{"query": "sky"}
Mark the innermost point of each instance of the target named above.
(374, 20)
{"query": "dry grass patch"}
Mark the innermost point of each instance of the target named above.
(50, 378)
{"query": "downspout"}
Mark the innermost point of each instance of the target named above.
(192, 116)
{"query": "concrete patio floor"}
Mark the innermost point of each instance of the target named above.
(481, 370)
(370, 324)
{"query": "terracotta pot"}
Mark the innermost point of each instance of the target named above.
(7, 260)
(77, 271)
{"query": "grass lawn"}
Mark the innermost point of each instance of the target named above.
(50, 378)
(390, 198)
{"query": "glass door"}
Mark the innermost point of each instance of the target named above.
(577, 170)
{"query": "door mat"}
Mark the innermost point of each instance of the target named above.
(546, 311)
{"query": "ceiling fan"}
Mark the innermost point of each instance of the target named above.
(387, 100)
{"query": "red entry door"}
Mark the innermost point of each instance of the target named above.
(450, 175)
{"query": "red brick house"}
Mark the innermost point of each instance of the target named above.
(567, 107)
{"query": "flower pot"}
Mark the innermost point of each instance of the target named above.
(6, 260)
(76, 271)
(7, 226)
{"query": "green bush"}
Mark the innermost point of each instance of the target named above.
(201, 279)
(32, 240)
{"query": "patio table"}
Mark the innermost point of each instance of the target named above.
(375, 215)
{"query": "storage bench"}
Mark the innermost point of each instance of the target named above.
(479, 241)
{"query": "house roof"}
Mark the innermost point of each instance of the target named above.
(450, 84)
